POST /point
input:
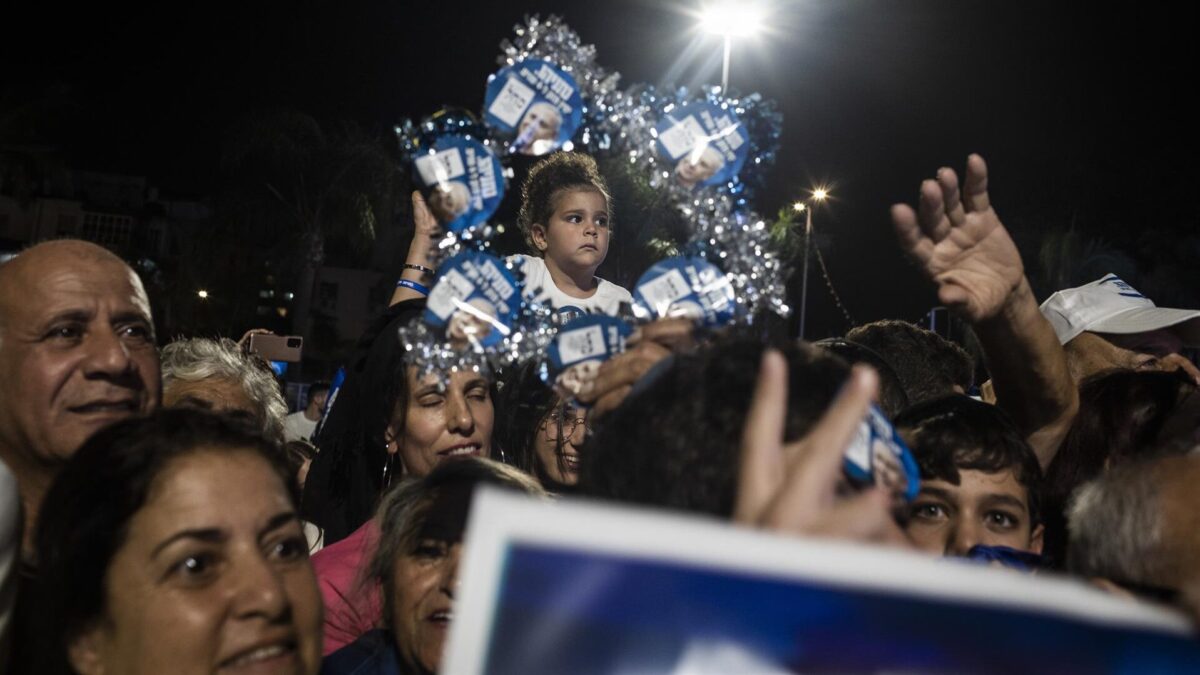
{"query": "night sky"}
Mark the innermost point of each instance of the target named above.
(1086, 114)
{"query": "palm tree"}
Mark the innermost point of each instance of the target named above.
(307, 186)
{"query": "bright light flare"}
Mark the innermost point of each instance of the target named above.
(731, 19)
(820, 194)
(799, 207)
(202, 294)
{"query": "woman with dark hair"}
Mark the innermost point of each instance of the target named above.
(1123, 415)
(346, 477)
(415, 566)
(171, 544)
(385, 424)
(540, 431)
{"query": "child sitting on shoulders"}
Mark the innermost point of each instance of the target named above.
(565, 219)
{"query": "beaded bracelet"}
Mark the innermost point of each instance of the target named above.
(419, 268)
(423, 290)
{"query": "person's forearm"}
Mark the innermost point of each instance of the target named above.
(418, 257)
(1029, 371)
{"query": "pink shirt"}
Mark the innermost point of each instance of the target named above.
(351, 608)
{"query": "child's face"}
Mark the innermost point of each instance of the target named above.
(984, 508)
(576, 238)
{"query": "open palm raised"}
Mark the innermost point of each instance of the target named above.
(960, 243)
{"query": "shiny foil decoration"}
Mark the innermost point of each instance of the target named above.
(725, 230)
(431, 352)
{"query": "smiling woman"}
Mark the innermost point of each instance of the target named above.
(421, 524)
(171, 544)
(442, 422)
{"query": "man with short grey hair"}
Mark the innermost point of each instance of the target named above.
(216, 375)
(1138, 527)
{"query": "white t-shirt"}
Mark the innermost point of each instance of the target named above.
(297, 427)
(539, 285)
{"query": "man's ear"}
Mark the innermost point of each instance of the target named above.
(1035, 539)
(83, 652)
(537, 233)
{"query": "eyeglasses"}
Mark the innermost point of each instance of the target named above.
(569, 424)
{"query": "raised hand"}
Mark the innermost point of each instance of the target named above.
(426, 225)
(792, 487)
(960, 243)
(426, 232)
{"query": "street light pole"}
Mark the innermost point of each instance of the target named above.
(818, 196)
(804, 282)
(730, 19)
(725, 64)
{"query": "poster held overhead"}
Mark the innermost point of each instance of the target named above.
(582, 587)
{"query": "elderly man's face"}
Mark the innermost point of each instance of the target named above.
(1091, 353)
(77, 351)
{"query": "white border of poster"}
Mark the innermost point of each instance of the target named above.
(501, 520)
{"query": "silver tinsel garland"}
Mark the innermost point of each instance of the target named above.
(725, 230)
(530, 336)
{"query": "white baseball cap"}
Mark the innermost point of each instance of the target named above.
(1110, 305)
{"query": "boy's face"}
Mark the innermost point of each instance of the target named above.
(984, 508)
(576, 238)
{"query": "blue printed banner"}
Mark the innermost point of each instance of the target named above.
(474, 299)
(590, 589)
(463, 181)
(706, 143)
(534, 103)
(581, 345)
(690, 288)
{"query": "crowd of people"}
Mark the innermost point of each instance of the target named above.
(161, 512)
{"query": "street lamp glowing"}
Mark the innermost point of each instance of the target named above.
(820, 194)
(799, 207)
(202, 294)
(730, 20)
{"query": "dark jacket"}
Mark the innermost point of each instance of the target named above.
(372, 654)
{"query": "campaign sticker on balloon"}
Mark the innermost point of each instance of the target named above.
(706, 144)
(581, 345)
(688, 288)
(474, 300)
(463, 180)
(877, 456)
(534, 103)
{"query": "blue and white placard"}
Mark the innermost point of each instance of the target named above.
(463, 181)
(705, 143)
(685, 287)
(475, 299)
(534, 103)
